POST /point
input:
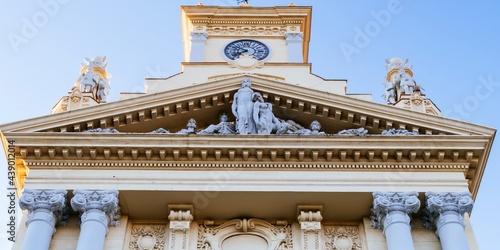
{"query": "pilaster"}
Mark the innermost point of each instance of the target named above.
(310, 225)
(180, 220)
(444, 212)
(294, 42)
(390, 213)
(98, 209)
(198, 41)
(45, 209)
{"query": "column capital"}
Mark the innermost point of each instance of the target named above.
(441, 203)
(198, 36)
(387, 202)
(294, 36)
(105, 201)
(49, 201)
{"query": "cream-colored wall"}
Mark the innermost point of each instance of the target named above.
(296, 74)
(214, 48)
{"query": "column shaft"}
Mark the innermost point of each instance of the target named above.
(93, 230)
(398, 231)
(452, 232)
(40, 230)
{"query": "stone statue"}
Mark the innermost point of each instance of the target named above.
(354, 131)
(160, 131)
(405, 82)
(390, 93)
(394, 131)
(314, 129)
(225, 127)
(263, 115)
(190, 127)
(93, 79)
(242, 108)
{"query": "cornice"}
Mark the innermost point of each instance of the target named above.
(406, 152)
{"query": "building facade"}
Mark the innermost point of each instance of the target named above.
(246, 149)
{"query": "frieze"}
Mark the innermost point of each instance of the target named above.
(254, 30)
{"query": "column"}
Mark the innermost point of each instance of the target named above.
(390, 213)
(294, 43)
(98, 209)
(198, 40)
(444, 212)
(310, 225)
(180, 221)
(45, 208)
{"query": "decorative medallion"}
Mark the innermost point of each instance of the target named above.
(342, 238)
(147, 237)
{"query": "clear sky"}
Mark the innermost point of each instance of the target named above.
(454, 47)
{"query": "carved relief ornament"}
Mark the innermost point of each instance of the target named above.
(278, 236)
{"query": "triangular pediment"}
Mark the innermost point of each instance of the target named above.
(204, 102)
(442, 144)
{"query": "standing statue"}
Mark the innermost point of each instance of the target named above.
(242, 108)
(263, 115)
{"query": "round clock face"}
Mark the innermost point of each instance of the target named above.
(246, 47)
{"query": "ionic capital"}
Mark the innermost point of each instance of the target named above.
(387, 203)
(104, 202)
(438, 204)
(45, 205)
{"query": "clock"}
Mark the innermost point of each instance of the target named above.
(246, 47)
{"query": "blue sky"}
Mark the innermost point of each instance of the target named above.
(452, 45)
